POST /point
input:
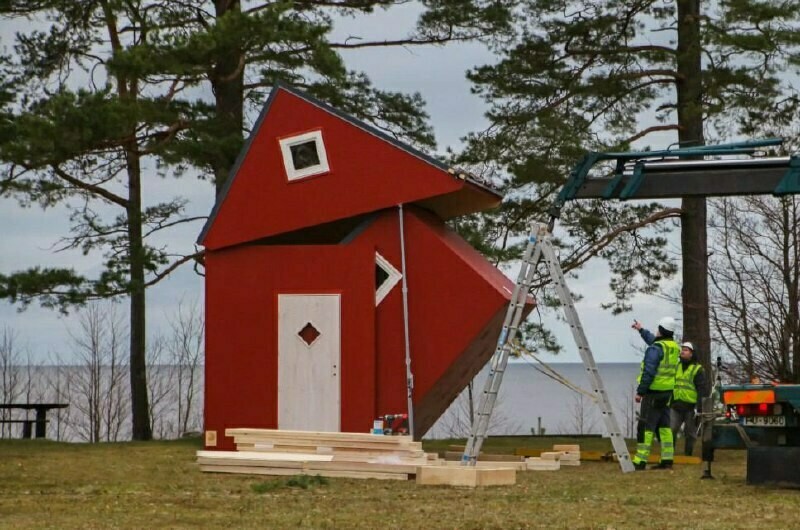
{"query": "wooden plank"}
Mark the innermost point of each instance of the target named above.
(206, 461)
(408, 469)
(537, 464)
(330, 451)
(245, 470)
(325, 446)
(465, 476)
(596, 456)
(314, 435)
(519, 466)
(386, 458)
(567, 448)
(550, 455)
(343, 455)
(247, 455)
(255, 470)
(525, 451)
(455, 455)
(234, 458)
(375, 441)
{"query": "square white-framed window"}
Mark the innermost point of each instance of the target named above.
(386, 277)
(304, 155)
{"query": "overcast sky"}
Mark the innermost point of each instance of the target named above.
(27, 236)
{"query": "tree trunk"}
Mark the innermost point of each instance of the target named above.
(140, 407)
(693, 219)
(227, 82)
(128, 88)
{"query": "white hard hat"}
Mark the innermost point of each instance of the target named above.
(668, 323)
(688, 345)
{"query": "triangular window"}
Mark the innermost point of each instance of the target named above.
(386, 277)
(304, 155)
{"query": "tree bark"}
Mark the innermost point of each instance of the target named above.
(140, 407)
(227, 82)
(693, 219)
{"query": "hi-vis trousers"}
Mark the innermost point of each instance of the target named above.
(654, 417)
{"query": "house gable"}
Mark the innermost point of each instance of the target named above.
(307, 164)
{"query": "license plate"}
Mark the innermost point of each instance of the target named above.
(765, 421)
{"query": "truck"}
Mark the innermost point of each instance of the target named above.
(764, 419)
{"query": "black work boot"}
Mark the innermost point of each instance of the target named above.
(640, 466)
(664, 464)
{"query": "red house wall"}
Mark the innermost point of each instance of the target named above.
(366, 174)
(242, 285)
(453, 294)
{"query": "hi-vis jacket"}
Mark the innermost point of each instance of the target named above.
(659, 366)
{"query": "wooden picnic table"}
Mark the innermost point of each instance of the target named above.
(41, 416)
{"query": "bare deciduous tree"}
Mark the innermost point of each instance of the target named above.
(582, 418)
(160, 388)
(629, 413)
(58, 382)
(174, 364)
(457, 420)
(11, 387)
(187, 354)
(100, 395)
(755, 277)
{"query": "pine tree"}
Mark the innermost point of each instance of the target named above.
(111, 93)
(603, 74)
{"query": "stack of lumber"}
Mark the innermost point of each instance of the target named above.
(537, 463)
(570, 455)
(561, 455)
(329, 454)
(347, 455)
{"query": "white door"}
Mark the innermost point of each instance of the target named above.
(309, 351)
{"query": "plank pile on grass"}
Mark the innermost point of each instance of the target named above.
(561, 455)
(328, 454)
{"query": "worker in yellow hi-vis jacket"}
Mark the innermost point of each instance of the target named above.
(656, 382)
(690, 384)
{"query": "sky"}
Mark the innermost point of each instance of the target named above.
(28, 235)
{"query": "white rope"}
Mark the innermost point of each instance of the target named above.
(550, 372)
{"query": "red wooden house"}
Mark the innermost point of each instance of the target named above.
(307, 325)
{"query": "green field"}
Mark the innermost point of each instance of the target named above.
(157, 485)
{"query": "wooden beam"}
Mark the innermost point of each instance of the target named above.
(465, 476)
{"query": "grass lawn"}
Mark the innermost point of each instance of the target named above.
(157, 485)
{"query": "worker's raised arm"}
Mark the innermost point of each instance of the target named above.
(644, 333)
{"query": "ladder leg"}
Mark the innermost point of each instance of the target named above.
(609, 418)
(502, 352)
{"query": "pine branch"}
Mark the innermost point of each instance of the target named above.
(579, 260)
(652, 129)
(91, 188)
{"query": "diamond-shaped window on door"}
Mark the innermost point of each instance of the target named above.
(308, 334)
(386, 277)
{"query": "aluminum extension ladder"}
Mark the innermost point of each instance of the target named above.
(540, 246)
